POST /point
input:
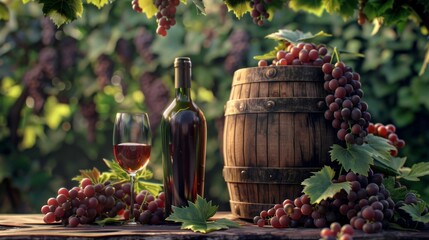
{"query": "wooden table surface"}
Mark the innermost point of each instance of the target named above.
(31, 226)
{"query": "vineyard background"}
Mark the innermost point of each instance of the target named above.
(61, 87)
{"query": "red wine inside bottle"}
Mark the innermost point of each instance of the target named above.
(184, 139)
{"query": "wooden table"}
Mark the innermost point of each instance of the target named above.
(31, 226)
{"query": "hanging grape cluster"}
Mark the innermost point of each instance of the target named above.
(91, 202)
(346, 110)
(166, 15)
(259, 11)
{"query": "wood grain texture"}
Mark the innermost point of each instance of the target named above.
(31, 226)
(273, 119)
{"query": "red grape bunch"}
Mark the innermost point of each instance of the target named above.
(259, 11)
(346, 110)
(136, 6)
(300, 54)
(387, 132)
(91, 202)
(166, 15)
(367, 207)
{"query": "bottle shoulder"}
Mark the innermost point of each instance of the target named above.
(182, 108)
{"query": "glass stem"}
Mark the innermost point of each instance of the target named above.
(132, 178)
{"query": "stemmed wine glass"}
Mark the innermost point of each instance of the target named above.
(132, 141)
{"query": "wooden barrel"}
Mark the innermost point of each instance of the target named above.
(275, 135)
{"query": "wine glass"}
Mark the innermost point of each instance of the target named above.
(132, 141)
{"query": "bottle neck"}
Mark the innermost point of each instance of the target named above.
(182, 82)
(183, 94)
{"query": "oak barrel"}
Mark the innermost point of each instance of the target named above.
(275, 135)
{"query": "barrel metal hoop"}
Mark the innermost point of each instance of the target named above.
(264, 105)
(267, 175)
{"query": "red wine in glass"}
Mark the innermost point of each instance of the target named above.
(132, 156)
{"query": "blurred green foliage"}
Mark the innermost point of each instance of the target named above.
(42, 150)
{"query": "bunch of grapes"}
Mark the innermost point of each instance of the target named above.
(387, 132)
(166, 15)
(336, 231)
(301, 54)
(103, 69)
(346, 110)
(259, 11)
(136, 6)
(89, 112)
(368, 206)
(404, 219)
(89, 203)
(143, 44)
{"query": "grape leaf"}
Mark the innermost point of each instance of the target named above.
(98, 3)
(297, 36)
(26, 1)
(396, 193)
(148, 8)
(195, 217)
(417, 170)
(320, 186)
(117, 175)
(110, 221)
(379, 148)
(271, 54)
(415, 211)
(312, 6)
(200, 6)
(62, 11)
(353, 158)
(4, 12)
(239, 7)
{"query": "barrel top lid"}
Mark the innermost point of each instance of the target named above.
(278, 73)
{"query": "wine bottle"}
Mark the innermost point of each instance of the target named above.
(184, 140)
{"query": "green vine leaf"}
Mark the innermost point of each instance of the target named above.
(396, 193)
(320, 186)
(200, 6)
(239, 7)
(98, 3)
(314, 6)
(117, 175)
(415, 172)
(196, 217)
(271, 54)
(353, 158)
(415, 211)
(62, 11)
(297, 36)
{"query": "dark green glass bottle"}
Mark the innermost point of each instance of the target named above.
(184, 140)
